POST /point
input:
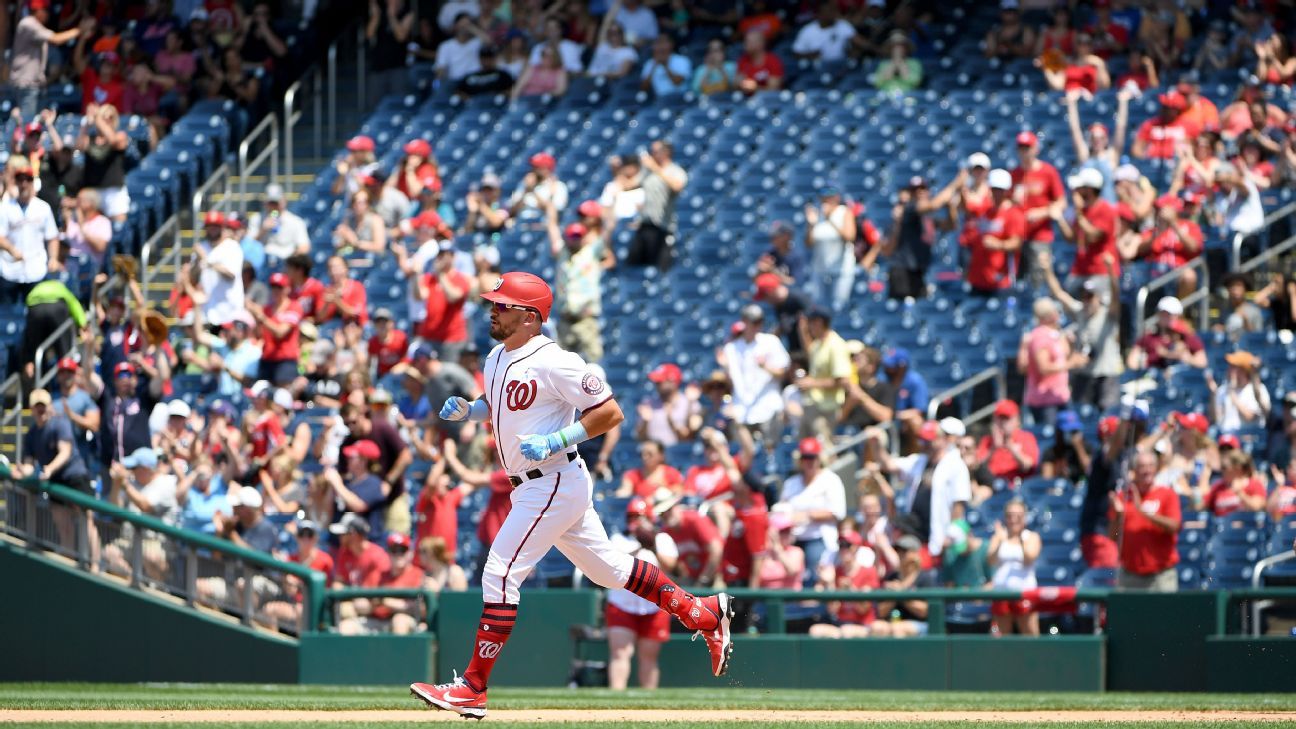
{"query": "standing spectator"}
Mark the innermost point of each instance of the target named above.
(1083, 70)
(436, 512)
(583, 254)
(125, 410)
(49, 305)
(758, 69)
(1239, 210)
(343, 298)
(388, 31)
(634, 625)
(665, 73)
(1160, 136)
(55, 457)
(388, 345)
(74, 402)
(489, 78)
(1095, 149)
(1171, 342)
(870, 400)
(486, 212)
(1243, 400)
(1010, 38)
(1012, 553)
(1282, 501)
(87, 233)
(1145, 522)
(1096, 544)
(662, 181)
(445, 291)
(280, 323)
(912, 236)
(613, 57)
(698, 543)
(1046, 358)
(911, 394)
(362, 492)
(745, 544)
(569, 51)
(389, 465)
(815, 500)
(826, 37)
(220, 272)
(756, 361)
(669, 417)
(540, 189)
(29, 237)
(899, 72)
(1238, 489)
(1095, 331)
(938, 487)
(31, 43)
(789, 308)
(280, 230)
(1039, 193)
(1008, 451)
(459, 55)
(653, 476)
(995, 239)
(786, 262)
(823, 389)
(1093, 229)
(716, 75)
(637, 20)
(830, 236)
(1240, 315)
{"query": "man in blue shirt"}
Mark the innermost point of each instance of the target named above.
(202, 495)
(666, 72)
(75, 403)
(363, 492)
(53, 456)
(911, 389)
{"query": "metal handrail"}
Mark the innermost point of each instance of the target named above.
(1203, 291)
(270, 152)
(361, 70)
(338, 594)
(155, 242)
(1235, 257)
(12, 388)
(220, 176)
(1270, 253)
(332, 92)
(1225, 598)
(1259, 606)
(291, 115)
(995, 372)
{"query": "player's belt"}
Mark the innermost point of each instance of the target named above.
(536, 473)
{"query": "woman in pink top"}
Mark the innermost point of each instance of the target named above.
(784, 565)
(546, 77)
(1045, 357)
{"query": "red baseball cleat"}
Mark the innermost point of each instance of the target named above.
(719, 642)
(456, 696)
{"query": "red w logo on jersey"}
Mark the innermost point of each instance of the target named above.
(520, 395)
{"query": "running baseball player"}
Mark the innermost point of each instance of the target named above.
(533, 391)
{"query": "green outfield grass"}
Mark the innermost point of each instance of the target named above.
(488, 723)
(244, 696)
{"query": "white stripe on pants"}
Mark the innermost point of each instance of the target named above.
(552, 511)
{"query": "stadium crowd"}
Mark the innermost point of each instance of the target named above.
(317, 438)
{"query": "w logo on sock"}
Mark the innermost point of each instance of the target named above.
(488, 649)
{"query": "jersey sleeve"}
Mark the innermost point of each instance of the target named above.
(574, 382)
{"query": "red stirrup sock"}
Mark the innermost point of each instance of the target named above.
(650, 583)
(493, 632)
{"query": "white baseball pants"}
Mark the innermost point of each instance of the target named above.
(555, 510)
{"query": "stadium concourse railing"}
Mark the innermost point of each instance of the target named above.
(197, 569)
(1235, 245)
(1199, 298)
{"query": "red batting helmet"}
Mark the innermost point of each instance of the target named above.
(519, 288)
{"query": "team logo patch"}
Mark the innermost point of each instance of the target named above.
(520, 395)
(591, 384)
(498, 284)
(488, 649)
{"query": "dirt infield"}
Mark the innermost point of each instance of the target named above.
(541, 716)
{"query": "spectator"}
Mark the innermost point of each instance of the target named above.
(362, 229)
(126, 409)
(634, 625)
(906, 618)
(363, 492)
(756, 362)
(911, 398)
(400, 615)
(995, 238)
(1282, 500)
(670, 417)
(1216, 53)
(75, 402)
(514, 55)
(1141, 73)
(1012, 553)
(540, 189)
(826, 37)
(937, 484)
(441, 574)
(220, 267)
(31, 49)
(1160, 136)
(583, 254)
(1238, 489)
(662, 181)
(830, 236)
(1096, 545)
(653, 475)
(388, 345)
(248, 528)
(235, 355)
(445, 291)
(711, 479)
(1243, 400)
(623, 196)
(1145, 522)
(55, 457)
(746, 541)
(1172, 242)
(715, 75)
(965, 559)
(358, 164)
(459, 55)
(912, 235)
(784, 566)
(1046, 358)
(287, 610)
(899, 72)
(87, 233)
(569, 51)
(823, 389)
(138, 486)
(637, 20)
(613, 57)
(1010, 38)
(489, 78)
(815, 499)
(486, 212)
(29, 238)
(869, 399)
(1239, 211)
(665, 73)
(546, 77)
(758, 69)
(49, 305)
(1240, 316)
(343, 298)
(492, 476)
(359, 561)
(716, 400)
(1282, 432)
(1008, 451)
(1173, 341)
(789, 308)
(1095, 333)
(1093, 228)
(1038, 192)
(786, 262)
(855, 569)
(280, 323)
(280, 230)
(202, 494)
(1083, 70)
(697, 540)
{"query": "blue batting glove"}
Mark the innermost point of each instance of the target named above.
(539, 447)
(454, 409)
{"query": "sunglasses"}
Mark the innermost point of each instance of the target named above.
(500, 308)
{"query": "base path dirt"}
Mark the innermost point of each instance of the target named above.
(541, 716)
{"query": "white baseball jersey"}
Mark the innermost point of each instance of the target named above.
(623, 598)
(537, 389)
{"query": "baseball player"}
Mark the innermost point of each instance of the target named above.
(533, 391)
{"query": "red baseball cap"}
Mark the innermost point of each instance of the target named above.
(214, 217)
(360, 143)
(809, 447)
(123, 368)
(575, 230)
(279, 279)
(737, 328)
(639, 506)
(1027, 139)
(428, 219)
(233, 222)
(929, 431)
(1173, 100)
(418, 147)
(38, 5)
(1170, 201)
(431, 182)
(545, 160)
(362, 448)
(1193, 421)
(1192, 197)
(666, 371)
(850, 539)
(33, 128)
(1108, 425)
(766, 284)
(1179, 326)
(590, 209)
(1125, 212)
(397, 539)
(1098, 127)
(1230, 441)
(520, 288)
(1007, 409)
(67, 364)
